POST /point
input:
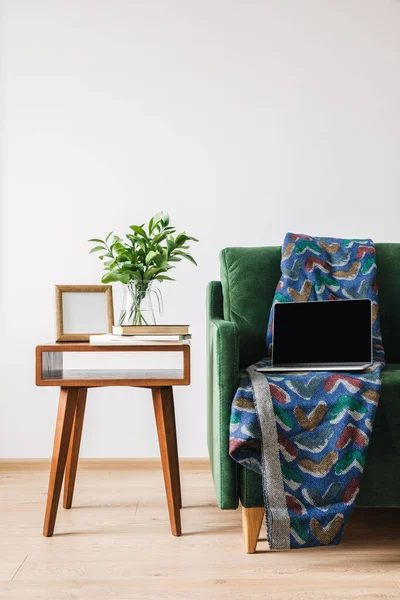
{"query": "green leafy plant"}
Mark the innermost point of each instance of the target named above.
(148, 253)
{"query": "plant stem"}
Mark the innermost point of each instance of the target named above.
(138, 293)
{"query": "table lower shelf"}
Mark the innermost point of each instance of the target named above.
(113, 377)
(52, 370)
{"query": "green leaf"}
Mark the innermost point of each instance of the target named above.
(186, 255)
(166, 219)
(191, 259)
(171, 244)
(158, 238)
(164, 278)
(161, 260)
(115, 276)
(109, 277)
(96, 249)
(129, 265)
(150, 273)
(141, 243)
(123, 277)
(139, 230)
(158, 225)
(136, 276)
(180, 239)
(116, 240)
(111, 232)
(96, 240)
(150, 255)
(183, 237)
(154, 221)
(118, 247)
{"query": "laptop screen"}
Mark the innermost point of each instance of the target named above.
(322, 332)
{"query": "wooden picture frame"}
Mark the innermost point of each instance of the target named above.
(84, 336)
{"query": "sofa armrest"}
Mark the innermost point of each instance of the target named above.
(222, 381)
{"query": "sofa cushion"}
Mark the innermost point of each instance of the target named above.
(380, 483)
(388, 417)
(388, 273)
(249, 277)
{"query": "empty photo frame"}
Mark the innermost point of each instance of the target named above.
(82, 311)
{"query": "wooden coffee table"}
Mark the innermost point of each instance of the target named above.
(74, 385)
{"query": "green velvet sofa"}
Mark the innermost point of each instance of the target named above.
(238, 308)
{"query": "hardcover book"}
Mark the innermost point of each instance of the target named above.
(150, 329)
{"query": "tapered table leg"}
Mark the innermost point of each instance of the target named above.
(168, 392)
(74, 446)
(65, 418)
(165, 419)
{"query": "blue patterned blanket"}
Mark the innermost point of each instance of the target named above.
(308, 433)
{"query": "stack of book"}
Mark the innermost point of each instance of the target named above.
(143, 334)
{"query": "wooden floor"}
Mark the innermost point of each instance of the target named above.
(115, 543)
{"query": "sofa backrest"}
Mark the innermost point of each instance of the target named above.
(249, 277)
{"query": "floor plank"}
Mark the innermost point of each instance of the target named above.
(115, 543)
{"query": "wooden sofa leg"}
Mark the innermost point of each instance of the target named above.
(252, 520)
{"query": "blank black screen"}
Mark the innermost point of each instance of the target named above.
(318, 332)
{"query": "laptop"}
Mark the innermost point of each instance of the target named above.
(326, 335)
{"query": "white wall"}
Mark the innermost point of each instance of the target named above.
(243, 119)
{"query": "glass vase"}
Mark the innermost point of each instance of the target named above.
(137, 307)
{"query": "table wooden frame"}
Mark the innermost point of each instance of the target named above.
(71, 411)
